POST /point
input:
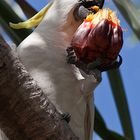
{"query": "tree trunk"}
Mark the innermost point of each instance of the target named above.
(25, 111)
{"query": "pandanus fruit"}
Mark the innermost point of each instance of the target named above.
(99, 38)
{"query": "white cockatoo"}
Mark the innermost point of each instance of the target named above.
(43, 53)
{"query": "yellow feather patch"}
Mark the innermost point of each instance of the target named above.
(34, 21)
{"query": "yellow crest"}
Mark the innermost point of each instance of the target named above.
(34, 21)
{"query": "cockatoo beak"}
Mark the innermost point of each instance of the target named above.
(90, 3)
(85, 7)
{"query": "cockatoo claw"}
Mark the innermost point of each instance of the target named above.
(71, 56)
(72, 59)
(66, 117)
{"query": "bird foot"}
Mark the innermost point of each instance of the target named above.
(72, 59)
(66, 117)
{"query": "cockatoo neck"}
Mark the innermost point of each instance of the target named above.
(59, 23)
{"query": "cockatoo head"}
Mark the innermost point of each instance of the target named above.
(67, 15)
(62, 16)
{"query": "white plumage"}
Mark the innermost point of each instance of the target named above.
(44, 55)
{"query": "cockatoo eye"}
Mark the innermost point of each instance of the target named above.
(87, 6)
(91, 3)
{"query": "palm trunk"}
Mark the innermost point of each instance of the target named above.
(25, 112)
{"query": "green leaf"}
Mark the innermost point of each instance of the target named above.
(8, 15)
(29, 11)
(101, 129)
(10, 32)
(121, 102)
(130, 13)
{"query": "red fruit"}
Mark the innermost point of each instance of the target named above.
(102, 40)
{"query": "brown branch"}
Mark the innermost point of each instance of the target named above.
(25, 111)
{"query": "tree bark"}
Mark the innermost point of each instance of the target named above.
(25, 112)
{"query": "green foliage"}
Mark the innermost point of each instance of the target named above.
(130, 13)
(8, 15)
(119, 95)
(102, 130)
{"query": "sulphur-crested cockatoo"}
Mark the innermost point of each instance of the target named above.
(44, 55)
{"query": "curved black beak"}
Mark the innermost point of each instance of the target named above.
(90, 3)
(84, 7)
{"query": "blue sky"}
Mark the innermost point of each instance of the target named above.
(130, 72)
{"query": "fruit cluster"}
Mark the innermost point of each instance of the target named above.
(99, 37)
